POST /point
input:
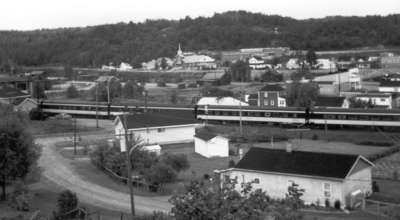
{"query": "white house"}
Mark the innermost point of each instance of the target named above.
(210, 145)
(221, 101)
(323, 176)
(383, 100)
(257, 64)
(125, 67)
(155, 128)
(351, 78)
(326, 64)
(293, 64)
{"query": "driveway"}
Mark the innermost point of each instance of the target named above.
(59, 170)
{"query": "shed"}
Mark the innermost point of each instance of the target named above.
(211, 145)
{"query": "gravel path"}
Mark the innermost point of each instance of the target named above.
(59, 170)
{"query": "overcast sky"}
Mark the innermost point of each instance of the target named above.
(35, 14)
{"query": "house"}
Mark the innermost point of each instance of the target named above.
(326, 64)
(11, 95)
(350, 79)
(258, 64)
(331, 102)
(26, 105)
(230, 101)
(323, 176)
(271, 96)
(390, 86)
(211, 145)
(213, 78)
(199, 62)
(292, 64)
(125, 67)
(252, 99)
(155, 128)
(382, 100)
(390, 61)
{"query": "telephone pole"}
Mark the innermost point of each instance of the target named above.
(129, 167)
(97, 105)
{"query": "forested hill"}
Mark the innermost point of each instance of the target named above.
(137, 42)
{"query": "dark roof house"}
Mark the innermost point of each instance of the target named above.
(329, 102)
(271, 87)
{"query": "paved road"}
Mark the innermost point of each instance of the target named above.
(59, 170)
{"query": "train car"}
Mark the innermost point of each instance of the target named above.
(320, 116)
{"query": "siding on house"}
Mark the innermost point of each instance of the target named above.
(214, 147)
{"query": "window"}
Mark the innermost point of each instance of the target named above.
(327, 190)
(266, 94)
(159, 130)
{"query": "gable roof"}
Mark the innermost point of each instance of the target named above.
(272, 87)
(324, 101)
(151, 119)
(206, 136)
(221, 101)
(198, 59)
(390, 84)
(298, 162)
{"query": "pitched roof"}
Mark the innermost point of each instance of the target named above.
(11, 92)
(272, 87)
(298, 162)
(152, 119)
(329, 101)
(213, 76)
(390, 84)
(221, 101)
(197, 59)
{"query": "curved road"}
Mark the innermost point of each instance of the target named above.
(58, 170)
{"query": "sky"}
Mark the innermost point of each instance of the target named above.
(38, 14)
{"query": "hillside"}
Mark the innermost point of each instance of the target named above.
(137, 42)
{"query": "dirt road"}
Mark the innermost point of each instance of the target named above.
(59, 170)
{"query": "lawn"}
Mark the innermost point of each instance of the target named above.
(56, 126)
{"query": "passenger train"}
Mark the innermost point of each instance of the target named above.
(247, 114)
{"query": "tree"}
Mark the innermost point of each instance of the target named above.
(178, 162)
(173, 97)
(302, 94)
(240, 71)
(132, 90)
(215, 92)
(18, 152)
(72, 92)
(164, 64)
(311, 58)
(206, 199)
(67, 202)
(38, 90)
(271, 76)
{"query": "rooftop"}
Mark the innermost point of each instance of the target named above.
(298, 162)
(324, 101)
(206, 136)
(155, 120)
(390, 83)
(213, 76)
(272, 87)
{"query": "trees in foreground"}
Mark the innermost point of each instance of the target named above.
(210, 199)
(18, 152)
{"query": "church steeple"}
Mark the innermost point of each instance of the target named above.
(179, 53)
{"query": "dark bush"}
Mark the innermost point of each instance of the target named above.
(192, 85)
(375, 143)
(375, 187)
(337, 204)
(315, 137)
(36, 114)
(232, 152)
(232, 163)
(67, 201)
(178, 162)
(206, 176)
(327, 203)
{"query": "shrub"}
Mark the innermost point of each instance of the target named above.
(67, 201)
(160, 173)
(21, 198)
(178, 162)
(72, 92)
(395, 175)
(192, 85)
(327, 203)
(315, 137)
(337, 204)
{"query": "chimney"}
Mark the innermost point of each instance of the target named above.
(289, 147)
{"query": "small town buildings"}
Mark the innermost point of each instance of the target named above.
(271, 96)
(325, 177)
(227, 101)
(350, 79)
(26, 105)
(380, 100)
(108, 67)
(256, 63)
(155, 128)
(326, 64)
(331, 102)
(199, 62)
(389, 86)
(292, 64)
(211, 145)
(390, 61)
(125, 67)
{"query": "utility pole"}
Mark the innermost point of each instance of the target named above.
(129, 166)
(145, 100)
(97, 105)
(74, 121)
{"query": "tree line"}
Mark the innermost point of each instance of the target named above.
(138, 42)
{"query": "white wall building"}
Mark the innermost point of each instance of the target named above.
(209, 145)
(323, 176)
(257, 64)
(125, 67)
(221, 101)
(155, 128)
(383, 100)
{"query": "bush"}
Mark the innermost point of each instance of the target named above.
(231, 163)
(72, 92)
(315, 137)
(36, 114)
(337, 204)
(327, 203)
(178, 162)
(160, 173)
(67, 201)
(21, 198)
(192, 85)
